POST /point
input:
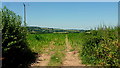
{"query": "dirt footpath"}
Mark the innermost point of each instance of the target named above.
(71, 58)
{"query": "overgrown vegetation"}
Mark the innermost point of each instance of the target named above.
(15, 51)
(98, 47)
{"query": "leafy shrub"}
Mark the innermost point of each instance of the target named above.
(14, 44)
(101, 47)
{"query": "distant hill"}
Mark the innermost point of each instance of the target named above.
(34, 29)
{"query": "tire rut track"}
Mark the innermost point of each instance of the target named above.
(43, 59)
(71, 58)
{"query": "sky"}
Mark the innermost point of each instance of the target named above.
(67, 15)
(59, 0)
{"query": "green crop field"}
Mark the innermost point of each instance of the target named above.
(97, 47)
(48, 43)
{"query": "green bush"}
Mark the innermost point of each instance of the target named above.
(15, 49)
(101, 47)
(97, 47)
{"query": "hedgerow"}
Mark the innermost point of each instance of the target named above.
(101, 47)
(15, 51)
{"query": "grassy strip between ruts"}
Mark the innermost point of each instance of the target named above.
(59, 51)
